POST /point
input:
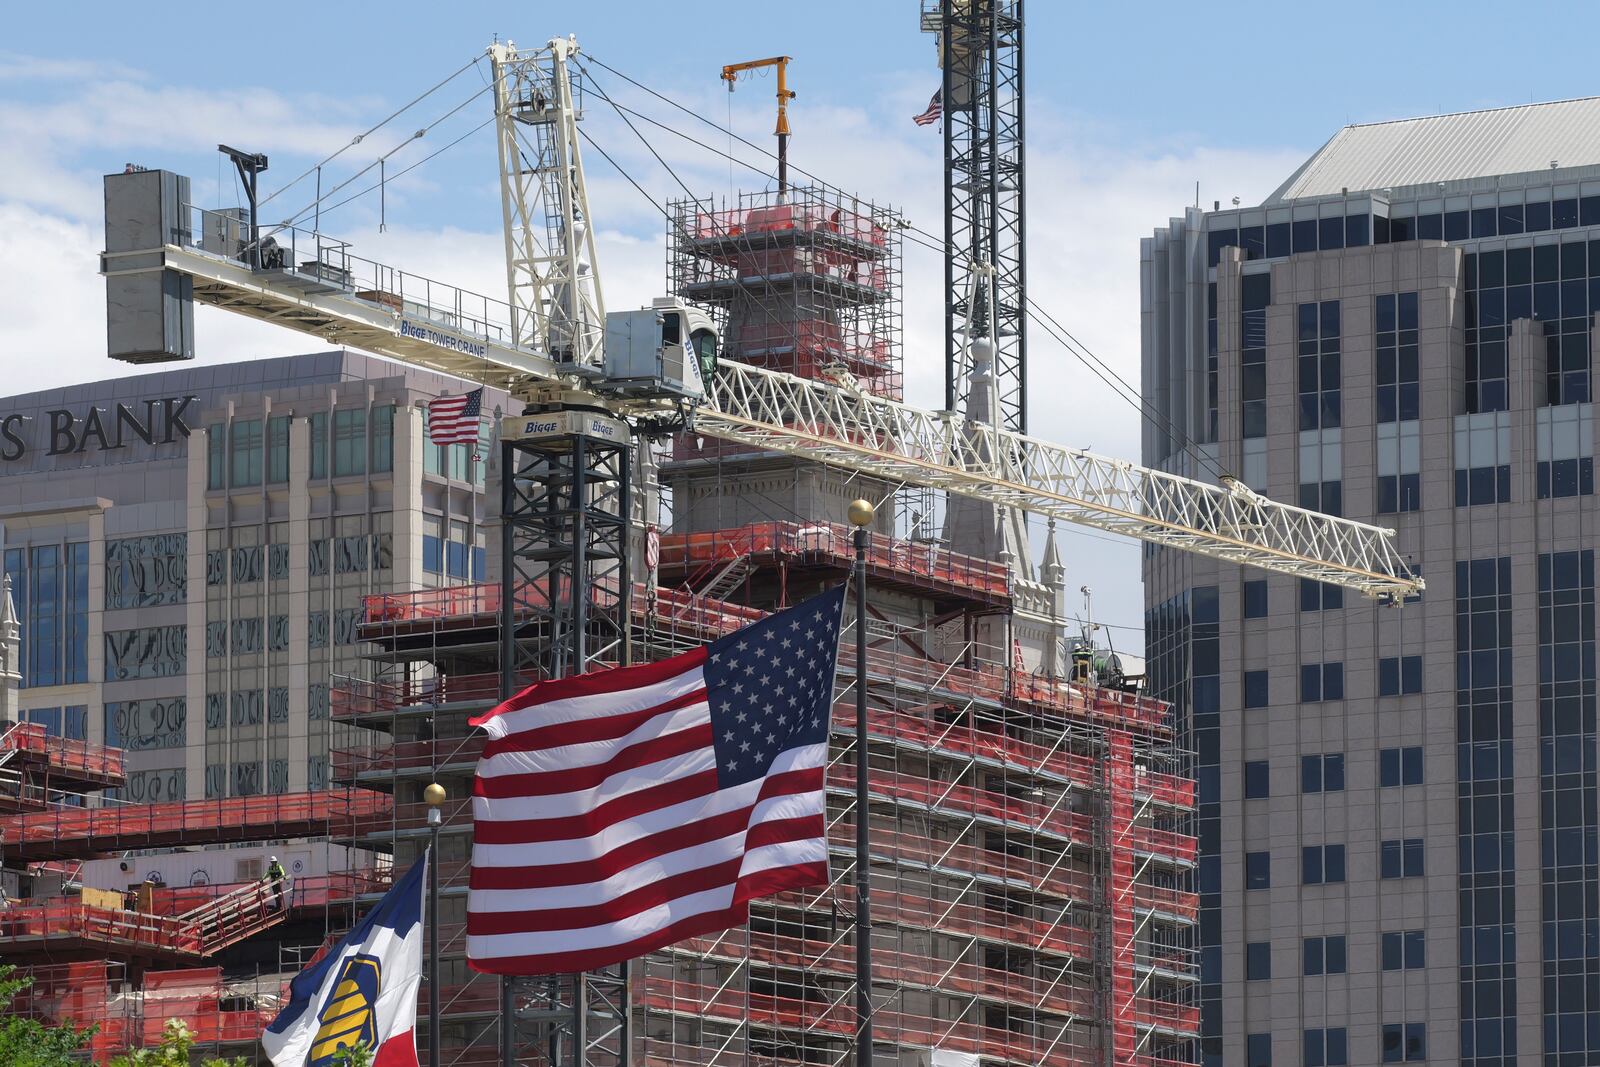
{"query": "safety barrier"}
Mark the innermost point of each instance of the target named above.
(68, 760)
(891, 559)
(67, 832)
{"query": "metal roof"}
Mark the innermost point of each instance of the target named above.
(1442, 148)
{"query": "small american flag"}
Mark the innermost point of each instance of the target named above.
(617, 812)
(933, 114)
(454, 419)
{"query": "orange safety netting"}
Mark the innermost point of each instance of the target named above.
(65, 757)
(918, 563)
(68, 832)
(819, 218)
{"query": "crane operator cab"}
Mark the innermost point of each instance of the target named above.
(666, 350)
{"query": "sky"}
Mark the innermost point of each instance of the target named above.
(1129, 106)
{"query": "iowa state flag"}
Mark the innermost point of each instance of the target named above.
(364, 991)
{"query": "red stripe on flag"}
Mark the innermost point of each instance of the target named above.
(574, 779)
(760, 884)
(570, 827)
(711, 828)
(596, 683)
(583, 731)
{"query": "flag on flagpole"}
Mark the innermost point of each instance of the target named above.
(364, 991)
(455, 419)
(933, 114)
(620, 811)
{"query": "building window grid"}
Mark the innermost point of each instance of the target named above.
(1486, 809)
(1401, 858)
(1184, 641)
(1255, 295)
(1400, 766)
(1403, 950)
(1404, 1042)
(1325, 1047)
(1322, 864)
(1322, 773)
(1321, 681)
(1323, 955)
(1568, 822)
(1398, 395)
(1399, 676)
(1319, 371)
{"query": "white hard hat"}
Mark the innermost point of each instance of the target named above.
(274, 859)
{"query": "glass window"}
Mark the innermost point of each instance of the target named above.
(1326, 1048)
(1399, 675)
(319, 444)
(1256, 779)
(1404, 950)
(1483, 485)
(43, 621)
(1257, 870)
(144, 572)
(383, 439)
(1324, 955)
(1321, 681)
(349, 442)
(1321, 864)
(1401, 859)
(1255, 599)
(1319, 596)
(1258, 1047)
(1403, 1042)
(1322, 773)
(1257, 961)
(76, 636)
(1318, 346)
(1399, 493)
(1565, 477)
(216, 456)
(149, 652)
(1400, 766)
(278, 449)
(246, 452)
(1255, 689)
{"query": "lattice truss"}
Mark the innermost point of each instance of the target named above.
(858, 431)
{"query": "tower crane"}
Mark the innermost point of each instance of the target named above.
(551, 344)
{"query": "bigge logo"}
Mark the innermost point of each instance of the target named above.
(347, 1017)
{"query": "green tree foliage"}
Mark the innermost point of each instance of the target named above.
(174, 1051)
(27, 1042)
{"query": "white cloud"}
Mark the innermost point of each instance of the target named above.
(1090, 199)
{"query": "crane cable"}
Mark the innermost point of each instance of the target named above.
(1080, 351)
(358, 138)
(380, 161)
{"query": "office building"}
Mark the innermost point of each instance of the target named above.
(1397, 804)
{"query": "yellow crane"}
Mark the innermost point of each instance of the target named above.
(730, 74)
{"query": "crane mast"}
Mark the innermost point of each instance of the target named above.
(553, 288)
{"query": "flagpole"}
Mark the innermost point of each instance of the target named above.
(861, 513)
(433, 796)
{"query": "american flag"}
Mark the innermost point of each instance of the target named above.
(620, 811)
(454, 419)
(933, 114)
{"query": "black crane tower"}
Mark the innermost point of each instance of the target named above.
(980, 53)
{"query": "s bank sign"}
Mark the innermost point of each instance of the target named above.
(62, 431)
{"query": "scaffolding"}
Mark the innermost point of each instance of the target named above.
(1030, 869)
(805, 281)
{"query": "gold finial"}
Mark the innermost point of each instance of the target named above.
(861, 512)
(433, 796)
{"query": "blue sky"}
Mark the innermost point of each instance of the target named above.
(1129, 105)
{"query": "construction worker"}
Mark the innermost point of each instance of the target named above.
(278, 878)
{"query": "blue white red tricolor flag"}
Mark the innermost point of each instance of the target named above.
(455, 419)
(620, 811)
(933, 114)
(364, 991)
